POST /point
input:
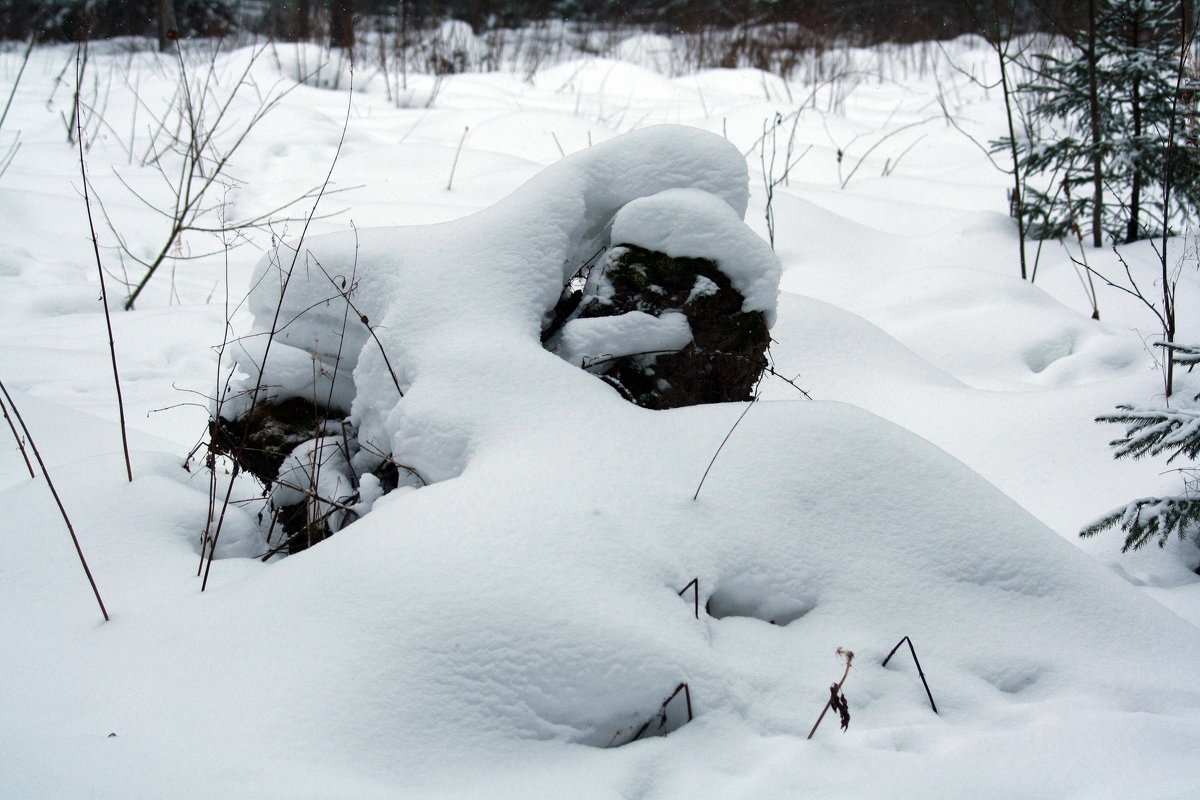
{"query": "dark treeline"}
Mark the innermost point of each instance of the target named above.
(73, 20)
(856, 21)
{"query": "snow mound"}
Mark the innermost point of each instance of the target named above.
(589, 79)
(402, 325)
(647, 50)
(526, 606)
(487, 635)
(689, 222)
(527, 614)
(998, 332)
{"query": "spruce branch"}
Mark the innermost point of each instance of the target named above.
(1150, 518)
(1155, 431)
(1186, 355)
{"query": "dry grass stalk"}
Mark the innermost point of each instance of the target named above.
(54, 492)
(837, 700)
(112, 347)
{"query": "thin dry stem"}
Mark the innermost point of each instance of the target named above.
(20, 442)
(112, 346)
(274, 326)
(57, 500)
(835, 690)
(721, 446)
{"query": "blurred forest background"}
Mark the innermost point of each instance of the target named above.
(336, 22)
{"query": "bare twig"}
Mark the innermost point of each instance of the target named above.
(737, 422)
(112, 346)
(1186, 39)
(882, 139)
(345, 290)
(57, 500)
(11, 153)
(274, 326)
(1089, 288)
(586, 364)
(220, 391)
(20, 442)
(660, 715)
(16, 82)
(200, 116)
(694, 585)
(916, 661)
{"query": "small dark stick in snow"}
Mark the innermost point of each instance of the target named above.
(694, 585)
(916, 661)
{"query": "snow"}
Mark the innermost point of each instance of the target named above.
(586, 340)
(487, 634)
(458, 307)
(690, 222)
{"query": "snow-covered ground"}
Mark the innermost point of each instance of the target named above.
(488, 634)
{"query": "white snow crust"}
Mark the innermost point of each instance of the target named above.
(584, 341)
(458, 307)
(487, 634)
(688, 222)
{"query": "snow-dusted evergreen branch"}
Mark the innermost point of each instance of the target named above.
(1186, 355)
(1150, 518)
(1153, 431)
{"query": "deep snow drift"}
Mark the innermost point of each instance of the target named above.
(488, 634)
(456, 309)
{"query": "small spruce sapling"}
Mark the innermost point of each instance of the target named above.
(1158, 431)
(1106, 125)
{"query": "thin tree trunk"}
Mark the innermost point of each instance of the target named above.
(1186, 34)
(1094, 113)
(168, 25)
(1135, 192)
(404, 44)
(303, 24)
(83, 28)
(291, 20)
(341, 24)
(1018, 198)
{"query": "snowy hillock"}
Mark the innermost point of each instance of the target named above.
(409, 328)
(508, 623)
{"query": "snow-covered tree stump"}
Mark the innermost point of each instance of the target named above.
(409, 327)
